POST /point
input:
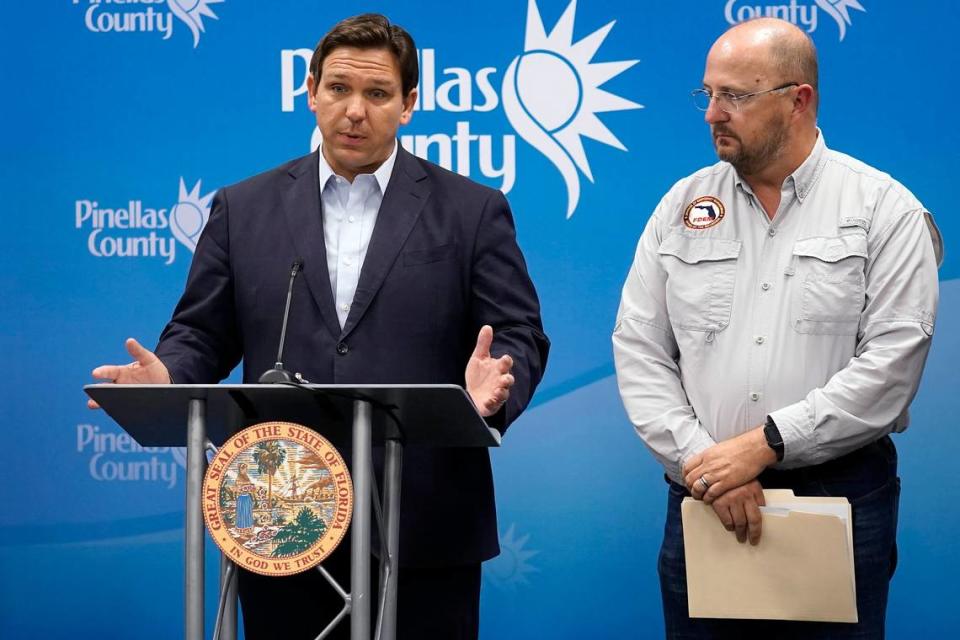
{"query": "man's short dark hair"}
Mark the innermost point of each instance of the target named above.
(371, 31)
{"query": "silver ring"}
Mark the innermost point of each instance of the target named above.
(703, 481)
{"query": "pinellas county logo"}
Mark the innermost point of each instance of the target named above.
(138, 231)
(277, 498)
(140, 16)
(550, 93)
(113, 456)
(803, 14)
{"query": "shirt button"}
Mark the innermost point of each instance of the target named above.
(342, 348)
(345, 307)
(351, 218)
(759, 340)
(765, 286)
(771, 232)
(347, 261)
(754, 396)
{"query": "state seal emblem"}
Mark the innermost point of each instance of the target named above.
(277, 498)
(703, 213)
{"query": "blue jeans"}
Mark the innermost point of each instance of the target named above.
(868, 478)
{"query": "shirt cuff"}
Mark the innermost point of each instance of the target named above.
(700, 444)
(795, 423)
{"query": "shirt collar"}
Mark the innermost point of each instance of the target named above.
(382, 174)
(807, 173)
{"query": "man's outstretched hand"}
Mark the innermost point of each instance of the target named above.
(488, 378)
(146, 368)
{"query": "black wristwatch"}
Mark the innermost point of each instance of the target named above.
(774, 439)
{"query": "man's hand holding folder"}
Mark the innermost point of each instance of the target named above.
(802, 568)
(724, 476)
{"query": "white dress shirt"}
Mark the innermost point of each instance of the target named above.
(820, 317)
(349, 215)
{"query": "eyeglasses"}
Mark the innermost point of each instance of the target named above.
(730, 102)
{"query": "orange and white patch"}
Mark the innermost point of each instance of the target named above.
(703, 213)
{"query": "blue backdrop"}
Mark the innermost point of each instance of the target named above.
(121, 118)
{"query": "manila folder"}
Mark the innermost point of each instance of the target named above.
(802, 568)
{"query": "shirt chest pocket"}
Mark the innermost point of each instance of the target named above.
(830, 291)
(415, 257)
(701, 274)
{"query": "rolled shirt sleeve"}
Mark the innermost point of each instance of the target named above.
(869, 397)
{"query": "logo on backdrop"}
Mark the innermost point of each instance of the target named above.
(510, 570)
(134, 230)
(277, 498)
(147, 16)
(116, 457)
(550, 94)
(803, 14)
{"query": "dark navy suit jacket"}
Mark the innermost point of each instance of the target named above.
(443, 261)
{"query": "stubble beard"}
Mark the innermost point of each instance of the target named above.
(750, 160)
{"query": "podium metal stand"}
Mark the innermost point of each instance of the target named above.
(205, 416)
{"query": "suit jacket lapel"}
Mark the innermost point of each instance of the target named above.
(304, 217)
(407, 192)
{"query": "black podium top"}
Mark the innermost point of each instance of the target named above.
(421, 415)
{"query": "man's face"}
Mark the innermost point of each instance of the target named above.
(359, 103)
(753, 137)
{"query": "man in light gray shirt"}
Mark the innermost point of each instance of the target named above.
(775, 323)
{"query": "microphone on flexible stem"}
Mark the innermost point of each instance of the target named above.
(278, 373)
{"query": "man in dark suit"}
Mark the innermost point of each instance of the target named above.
(412, 275)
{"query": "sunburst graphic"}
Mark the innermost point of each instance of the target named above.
(189, 216)
(191, 12)
(551, 95)
(511, 568)
(838, 10)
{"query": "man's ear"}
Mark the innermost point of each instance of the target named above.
(408, 102)
(312, 92)
(804, 99)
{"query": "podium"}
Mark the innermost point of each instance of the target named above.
(203, 417)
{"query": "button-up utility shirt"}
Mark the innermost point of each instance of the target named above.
(820, 317)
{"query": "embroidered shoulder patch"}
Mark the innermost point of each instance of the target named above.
(703, 213)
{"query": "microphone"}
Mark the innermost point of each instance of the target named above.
(278, 373)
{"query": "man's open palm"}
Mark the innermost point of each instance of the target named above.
(488, 378)
(146, 368)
